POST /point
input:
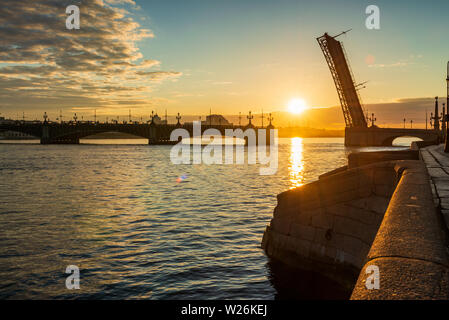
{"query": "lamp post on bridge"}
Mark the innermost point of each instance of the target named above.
(249, 117)
(436, 118)
(404, 123)
(443, 121)
(270, 118)
(446, 145)
(372, 119)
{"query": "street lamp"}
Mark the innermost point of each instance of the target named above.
(446, 145)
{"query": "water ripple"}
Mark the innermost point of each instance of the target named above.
(118, 213)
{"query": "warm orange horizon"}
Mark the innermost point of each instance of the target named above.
(221, 58)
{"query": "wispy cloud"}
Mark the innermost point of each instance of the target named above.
(411, 60)
(391, 65)
(99, 65)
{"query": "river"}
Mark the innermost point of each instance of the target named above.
(138, 226)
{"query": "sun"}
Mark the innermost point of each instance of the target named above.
(297, 106)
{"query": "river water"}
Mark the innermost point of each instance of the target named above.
(138, 226)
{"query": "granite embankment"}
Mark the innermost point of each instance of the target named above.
(377, 211)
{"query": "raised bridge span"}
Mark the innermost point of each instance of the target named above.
(357, 132)
(157, 134)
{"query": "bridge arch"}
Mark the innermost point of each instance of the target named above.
(80, 132)
(31, 130)
(388, 141)
(17, 134)
(100, 133)
(404, 141)
(113, 137)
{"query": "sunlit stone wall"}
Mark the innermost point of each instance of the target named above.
(329, 225)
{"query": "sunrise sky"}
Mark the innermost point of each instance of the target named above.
(231, 56)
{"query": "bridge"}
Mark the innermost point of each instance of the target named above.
(383, 137)
(157, 134)
(357, 132)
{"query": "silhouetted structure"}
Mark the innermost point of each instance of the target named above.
(343, 79)
(157, 132)
(436, 117)
(446, 147)
(357, 132)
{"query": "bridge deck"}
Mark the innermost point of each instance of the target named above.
(375, 136)
(71, 133)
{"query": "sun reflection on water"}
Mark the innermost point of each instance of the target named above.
(296, 166)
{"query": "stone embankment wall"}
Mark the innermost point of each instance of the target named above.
(345, 221)
(329, 225)
(410, 247)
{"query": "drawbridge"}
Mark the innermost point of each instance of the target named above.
(357, 132)
(344, 81)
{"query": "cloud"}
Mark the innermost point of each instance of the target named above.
(410, 60)
(222, 83)
(121, 2)
(99, 65)
(158, 75)
(391, 65)
(148, 63)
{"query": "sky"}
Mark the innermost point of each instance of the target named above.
(193, 56)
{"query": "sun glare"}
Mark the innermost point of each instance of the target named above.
(297, 106)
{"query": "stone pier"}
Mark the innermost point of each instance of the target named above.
(379, 210)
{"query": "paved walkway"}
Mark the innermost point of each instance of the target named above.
(437, 163)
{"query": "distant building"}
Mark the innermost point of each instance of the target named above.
(215, 120)
(158, 120)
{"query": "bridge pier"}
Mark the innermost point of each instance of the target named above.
(268, 137)
(48, 137)
(260, 139)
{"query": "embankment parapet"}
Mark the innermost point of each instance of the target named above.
(380, 212)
